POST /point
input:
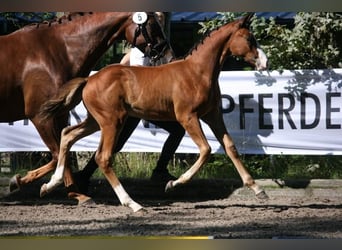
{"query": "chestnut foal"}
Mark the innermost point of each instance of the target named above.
(184, 90)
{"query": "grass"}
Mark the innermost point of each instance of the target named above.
(140, 165)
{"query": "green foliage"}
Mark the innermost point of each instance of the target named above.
(225, 17)
(137, 165)
(141, 165)
(276, 166)
(106, 58)
(315, 41)
(39, 16)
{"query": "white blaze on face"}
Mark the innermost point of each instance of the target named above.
(261, 62)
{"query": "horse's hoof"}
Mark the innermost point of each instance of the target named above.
(87, 202)
(14, 183)
(169, 186)
(140, 211)
(43, 190)
(81, 198)
(262, 195)
(161, 176)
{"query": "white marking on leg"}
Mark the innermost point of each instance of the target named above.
(257, 190)
(184, 178)
(125, 199)
(56, 179)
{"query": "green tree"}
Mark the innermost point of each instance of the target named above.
(15, 17)
(16, 20)
(315, 41)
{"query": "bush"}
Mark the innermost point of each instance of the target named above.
(315, 41)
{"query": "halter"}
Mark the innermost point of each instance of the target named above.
(152, 51)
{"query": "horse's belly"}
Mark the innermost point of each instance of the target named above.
(150, 114)
(150, 105)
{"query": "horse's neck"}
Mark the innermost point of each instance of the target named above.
(209, 56)
(88, 38)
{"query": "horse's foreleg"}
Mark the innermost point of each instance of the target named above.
(247, 179)
(17, 181)
(57, 178)
(216, 124)
(193, 127)
(47, 132)
(104, 160)
(72, 188)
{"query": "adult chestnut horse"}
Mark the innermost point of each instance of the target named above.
(189, 92)
(37, 59)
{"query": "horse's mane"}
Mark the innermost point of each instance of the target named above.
(63, 19)
(205, 35)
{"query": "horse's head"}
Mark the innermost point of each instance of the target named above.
(147, 34)
(242, 43)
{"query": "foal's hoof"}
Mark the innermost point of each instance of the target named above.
(141, 211)
(14, 183)
(262, 195)
(43, 190)
(169, 186)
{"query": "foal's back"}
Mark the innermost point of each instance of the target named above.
(145, 92)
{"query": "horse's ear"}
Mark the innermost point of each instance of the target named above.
(246, 21)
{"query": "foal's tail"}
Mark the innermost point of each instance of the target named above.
(67, 97)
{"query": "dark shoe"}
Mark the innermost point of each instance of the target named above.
(162, 176)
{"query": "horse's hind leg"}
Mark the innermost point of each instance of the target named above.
(104, 160)
(216, 123)
(69, 136)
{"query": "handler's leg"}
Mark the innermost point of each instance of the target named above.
(176, 134)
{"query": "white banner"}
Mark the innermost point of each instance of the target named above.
(290, 112)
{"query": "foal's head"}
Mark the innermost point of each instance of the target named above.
(243, 44)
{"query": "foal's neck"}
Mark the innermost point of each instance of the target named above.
(210, 54)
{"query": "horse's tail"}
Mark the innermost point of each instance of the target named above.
(67, 97)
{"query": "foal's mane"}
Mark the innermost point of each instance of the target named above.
(63, 19)
(206, 35)
(201, 41)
